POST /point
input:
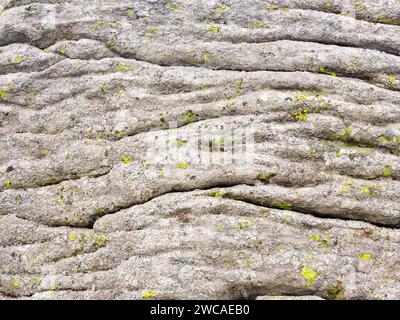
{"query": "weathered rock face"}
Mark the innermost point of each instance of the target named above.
(122, 175)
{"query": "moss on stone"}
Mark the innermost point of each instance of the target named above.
(336, 291)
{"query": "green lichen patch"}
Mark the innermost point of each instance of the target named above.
(124, 68)
(257, 25)
(215, 194)
(314, 237)
(300, 96)
(99, 211)
(301, 115)
(221, 10)
(96, 26)
(220, 226)
(171, 6)
(18, 59)
(181, 143)
(74, 190)
(205, 58)
(388, 171)
(346, 137)
(148, 294)
(284, 206)
(101, 240)
(386, 140)
(391, 80)
(126, 159)
(189, 116)
(3, 94)
(365, 256)
(73, 236)
(265, 177)
(326, 71)
(309, 274)
(69, 155)
(212, 28)
(151, 32)
(120, 134)
(243, 225)
(182, 165)
(8, 184)
(15, 283)
(389, 20)
(371, 191)
(348, 187)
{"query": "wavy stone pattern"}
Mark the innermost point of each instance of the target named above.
(88, 90)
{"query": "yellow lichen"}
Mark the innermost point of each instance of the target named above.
(189, 116)
(8, 184)
(182, 165)
(15, 283)
(18, 198)
(243, 225)
(120, 134)
(309, 274)
(314, 237)
(257, 25)
(284, 206)
(287, 218)
(171, 6)
(73, 236)
(392, 80)
(388, 173)
(220, 226)
(150, 294)
(221, 10)
(69, 154)
(101, 240)
(215, 194)
(181, 143)
(301, 115)
(365, 256)
(126, 159)
(264, 177)
(326, 71)
(3, 94)
(348, 187)
(123, 68)
(373, 190)
(206, 57)
(211, 28)
(18, 59)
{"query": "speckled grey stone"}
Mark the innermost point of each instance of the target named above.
(94, 206)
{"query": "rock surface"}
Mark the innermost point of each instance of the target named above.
(118, 175)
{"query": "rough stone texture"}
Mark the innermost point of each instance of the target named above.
(87, 92)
